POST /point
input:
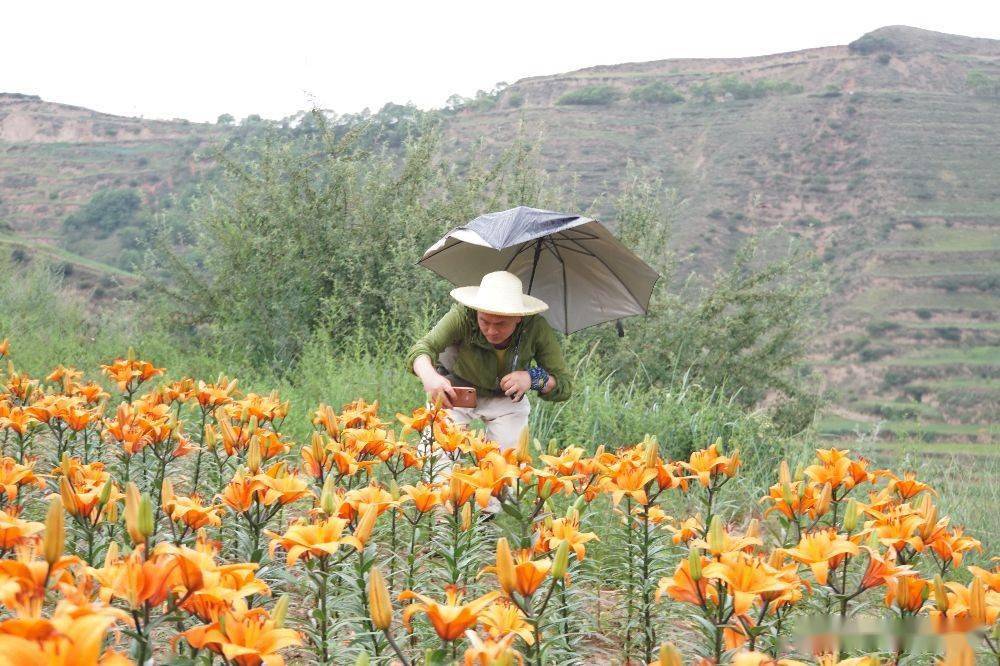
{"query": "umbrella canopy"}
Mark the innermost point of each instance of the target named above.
(573, 263)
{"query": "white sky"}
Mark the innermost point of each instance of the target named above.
(196, 60)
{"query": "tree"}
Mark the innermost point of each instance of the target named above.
(225, 119)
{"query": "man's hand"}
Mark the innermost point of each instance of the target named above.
(516, 384)
(438, 385)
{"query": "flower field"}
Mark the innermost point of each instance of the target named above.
(145, 520)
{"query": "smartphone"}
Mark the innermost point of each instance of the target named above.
(465, 396)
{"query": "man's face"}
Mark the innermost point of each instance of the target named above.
(497, 328)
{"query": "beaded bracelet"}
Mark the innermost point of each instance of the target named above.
(539, 378)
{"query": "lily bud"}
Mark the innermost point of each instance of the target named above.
(210, 437)
(363, 658)
(505, 566)
(753, 528)
(253, 456)
(364, 529)
(68, 495)
(799, 473)
(940, 594)
(977, 601)
(167, 493)
(716, 536)
(652, 452)
(560, 562)
(55, 532)
(786, 494)
(393, 489)
(316, 447)
(902, 594)
(523, 451)
(105, 495)
(553, 447)
(379, 603)
(132, 500)
(578, 505)
(784, 475)
(694, 564)
(65, 464)
(466, 516)
(851, 515)
(669, 656)
(111, 556)
(327, 501)
(146, 524)
(280, 611)
(824, 500)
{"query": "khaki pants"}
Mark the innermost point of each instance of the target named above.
(504, 418)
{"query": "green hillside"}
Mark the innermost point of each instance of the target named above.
(882, 154)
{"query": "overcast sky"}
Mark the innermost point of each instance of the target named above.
(196, 60)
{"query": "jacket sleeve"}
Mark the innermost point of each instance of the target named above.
(549, 355)
(449, 330)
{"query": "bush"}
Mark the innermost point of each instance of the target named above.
(736, 88)
(590, 96)
(657, 92)
(106, 212)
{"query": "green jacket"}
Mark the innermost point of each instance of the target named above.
(476, 362)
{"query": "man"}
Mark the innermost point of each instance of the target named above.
(488, 341)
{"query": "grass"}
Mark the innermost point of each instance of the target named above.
(63, 255)
(966, 325)
(891, 300)
(943, 239)
(987, 355)
(838, 426)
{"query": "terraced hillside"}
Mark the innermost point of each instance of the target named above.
(54, 158)
(883, 154)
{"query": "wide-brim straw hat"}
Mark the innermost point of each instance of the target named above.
(499, 293)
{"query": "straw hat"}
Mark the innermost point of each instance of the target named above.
(499, 293)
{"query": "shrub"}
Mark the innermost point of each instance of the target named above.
(106, 212)
(657, 92)
(590, 96)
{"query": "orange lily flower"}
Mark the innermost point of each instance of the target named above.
(909, 599)
(425, 496)
(708, 463)
(244, 637)
(451, 618)
(74, 636)
(747, 577)
(128, 374)
(14, 531)
(14, 476)
(820, 551)
(191, 512)
(908, 487)
(320, 539)
(689, 529)
(881, 570)
(681, 587)
(503, 618)
(136, 580)
(566, 529)
(489, 478)
(491, 651)
(278, 485)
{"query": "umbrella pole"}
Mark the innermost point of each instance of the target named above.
(534, 263)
